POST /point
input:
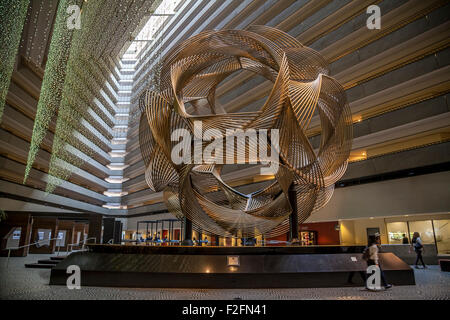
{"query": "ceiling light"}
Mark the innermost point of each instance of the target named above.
(115, 193)
(116, 180)
(118, 154)
(155, 22)
(119, 166)
(357, 118)
(116, 141)
(114, 207)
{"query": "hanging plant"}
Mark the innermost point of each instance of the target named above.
(12, 20)
(53, 82)
(78, 85)
(82, 83)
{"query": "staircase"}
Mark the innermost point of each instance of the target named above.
(45, 264)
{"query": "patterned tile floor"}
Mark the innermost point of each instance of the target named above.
(17, 282)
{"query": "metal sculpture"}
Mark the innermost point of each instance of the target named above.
(301, 89)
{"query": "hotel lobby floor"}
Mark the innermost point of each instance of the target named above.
(17, 282)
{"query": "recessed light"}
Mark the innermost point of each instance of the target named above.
(114, 207)
(115, 193)
(116, 180)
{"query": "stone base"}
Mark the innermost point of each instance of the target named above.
(249, 268)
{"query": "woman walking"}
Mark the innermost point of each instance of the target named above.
(372, 255)
(418, 248)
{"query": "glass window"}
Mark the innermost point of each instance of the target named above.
(43, 237)
(442, 230)
(61, 242)
(424, 228)
(14, 238)
(16, 234)
(397, 231)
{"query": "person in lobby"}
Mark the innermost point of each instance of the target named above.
(405, 240)
(157, 239)
(418, 248)
(372, 245)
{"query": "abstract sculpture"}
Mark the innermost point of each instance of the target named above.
(301, 89)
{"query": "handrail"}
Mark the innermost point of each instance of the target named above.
(27, 245)
(82, 241)
(75, 243)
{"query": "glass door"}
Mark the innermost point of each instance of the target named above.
(424, 228)
(397, 233)
(442, 232)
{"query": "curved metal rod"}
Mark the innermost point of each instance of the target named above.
(194, 188)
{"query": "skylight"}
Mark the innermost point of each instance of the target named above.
(149, 32)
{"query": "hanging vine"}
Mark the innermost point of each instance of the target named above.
(53, 82)
(84, 83)
(75, 86)
(12, 20)
(62, 160)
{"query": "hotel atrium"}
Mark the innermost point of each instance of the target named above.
(74, 103)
